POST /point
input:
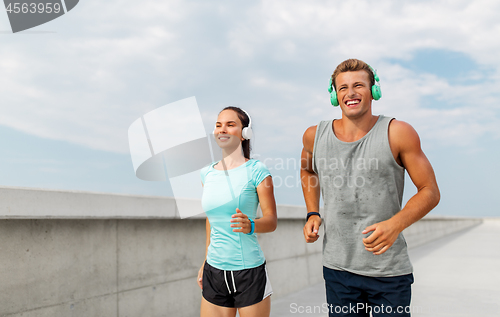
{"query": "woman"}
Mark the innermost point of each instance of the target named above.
(233, 276)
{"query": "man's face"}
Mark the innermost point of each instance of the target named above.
(354, 93)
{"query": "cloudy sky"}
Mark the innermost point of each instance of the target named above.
(70, 88)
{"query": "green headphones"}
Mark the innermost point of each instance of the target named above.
(376, 92)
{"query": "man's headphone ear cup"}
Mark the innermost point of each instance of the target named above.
(376, 92)
(333, 94)
(333, 98)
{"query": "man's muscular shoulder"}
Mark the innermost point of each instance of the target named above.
(403, 139)
(308, 138)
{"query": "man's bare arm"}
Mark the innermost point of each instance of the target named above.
(310, 185)
(405, 142)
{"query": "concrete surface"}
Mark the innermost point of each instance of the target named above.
(457, 275)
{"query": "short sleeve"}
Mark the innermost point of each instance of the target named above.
(259, 173)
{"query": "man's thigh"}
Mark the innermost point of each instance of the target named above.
(390, 296)
(344, 294)
(350, 294)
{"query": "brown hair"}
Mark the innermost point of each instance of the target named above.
(245, 121)
(353, 65)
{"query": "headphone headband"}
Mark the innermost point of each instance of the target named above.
(249, 118)
(247, 132)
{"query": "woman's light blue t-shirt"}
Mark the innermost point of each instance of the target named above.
(223, 192)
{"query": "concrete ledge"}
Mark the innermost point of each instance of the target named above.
(31, 203)
(433, 227)
(36, 203)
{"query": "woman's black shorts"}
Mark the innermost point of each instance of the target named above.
(235, 288)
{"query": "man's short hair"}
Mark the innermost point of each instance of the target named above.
(353, 65)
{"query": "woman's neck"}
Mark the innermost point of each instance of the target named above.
(233, 159)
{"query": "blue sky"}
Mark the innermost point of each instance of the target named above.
(69, 95)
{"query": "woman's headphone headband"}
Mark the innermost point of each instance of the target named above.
(247, 132)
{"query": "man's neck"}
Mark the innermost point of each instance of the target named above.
(353, 129)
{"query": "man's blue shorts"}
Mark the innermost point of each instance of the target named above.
(349, 294)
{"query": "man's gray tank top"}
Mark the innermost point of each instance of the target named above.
(361, 184)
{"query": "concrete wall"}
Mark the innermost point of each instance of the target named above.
(97, 266)
(434, 227)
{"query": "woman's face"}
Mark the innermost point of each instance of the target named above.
(228, 129)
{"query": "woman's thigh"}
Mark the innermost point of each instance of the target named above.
(261, 309)
(210, 310)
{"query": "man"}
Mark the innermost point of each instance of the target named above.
(358, 164)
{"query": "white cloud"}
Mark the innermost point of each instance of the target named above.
(112, 61)
(375, 29)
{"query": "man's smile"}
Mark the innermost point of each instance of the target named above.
(353, 102)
